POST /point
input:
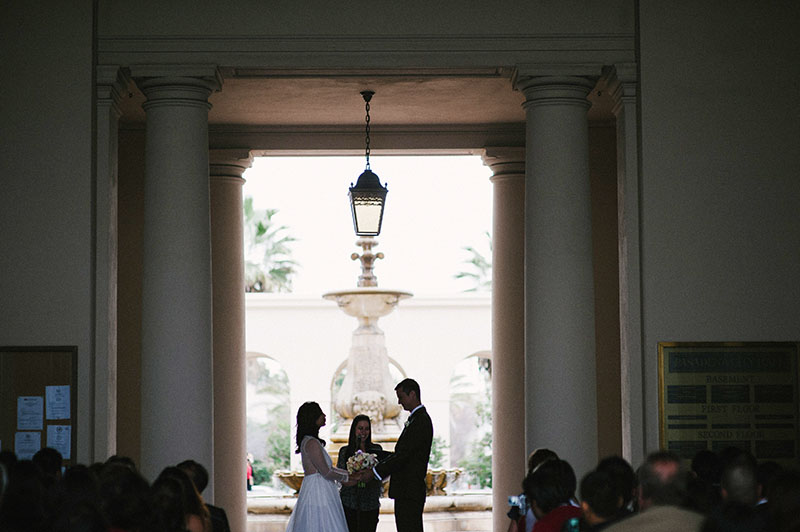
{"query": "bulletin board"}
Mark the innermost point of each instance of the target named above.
(38, 400)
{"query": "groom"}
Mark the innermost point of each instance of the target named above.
(408, 465)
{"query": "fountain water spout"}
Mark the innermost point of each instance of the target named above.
(367, 277)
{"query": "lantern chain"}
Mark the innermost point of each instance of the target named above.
(367, 135)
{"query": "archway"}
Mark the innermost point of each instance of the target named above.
(268, 421)
(470, 446)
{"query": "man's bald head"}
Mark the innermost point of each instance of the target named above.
(662, 481)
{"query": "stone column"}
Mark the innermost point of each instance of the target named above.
(508, 326)
(111, 85)
(560, 404)
(227, 272)
(623, 86)
(177, 396)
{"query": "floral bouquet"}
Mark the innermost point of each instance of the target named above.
(361, 461)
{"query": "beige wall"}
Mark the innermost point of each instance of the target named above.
(719, 180)
(46, 192)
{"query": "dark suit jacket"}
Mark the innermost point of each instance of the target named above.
(408, 465)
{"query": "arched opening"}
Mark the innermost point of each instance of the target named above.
(470, 446)
(268, 422)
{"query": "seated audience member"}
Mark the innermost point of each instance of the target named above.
(8, 458)
(784, 502)
(623, 479)
(125, 461)
(707, 465)
(522, 518)
(739, 480)
(49, 462)
(178, 493)
(739, 495)
(77, 502)
(25, 504)
(124, 499)
(199, 477)
(600, 502)
(550, 489)
(168, 505)
(728, 454)
(704, 493)
(767, 472)
(662, 495)
(733, 516)
(538, 457)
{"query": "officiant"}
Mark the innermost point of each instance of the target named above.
(361, 502)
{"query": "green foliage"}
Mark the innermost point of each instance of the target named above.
(262, 473)
(269, 266)
(477, 464)
(273, 387)
(276, 454)
(479, 269)
(438, 450)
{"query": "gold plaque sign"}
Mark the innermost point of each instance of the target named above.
(718, 395)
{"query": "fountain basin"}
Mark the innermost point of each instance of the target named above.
(436, 480)
(367, 302)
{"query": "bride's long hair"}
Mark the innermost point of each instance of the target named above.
(307, 416)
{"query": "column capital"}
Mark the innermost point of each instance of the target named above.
(558, 90)
(229, 162)
(177, 84)
(504, 161)
(568, 83)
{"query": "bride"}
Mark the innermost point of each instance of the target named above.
(318, 508)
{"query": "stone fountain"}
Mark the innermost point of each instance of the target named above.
(368, 387)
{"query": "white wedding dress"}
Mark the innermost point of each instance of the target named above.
(319, 507)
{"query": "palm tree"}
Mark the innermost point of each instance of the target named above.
(268, 265)
(480, 269)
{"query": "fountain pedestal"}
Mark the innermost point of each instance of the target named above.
(368, 387)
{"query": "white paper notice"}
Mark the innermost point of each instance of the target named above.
(57, 405)
(30, 412)
(26, 444)
(58, 437)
